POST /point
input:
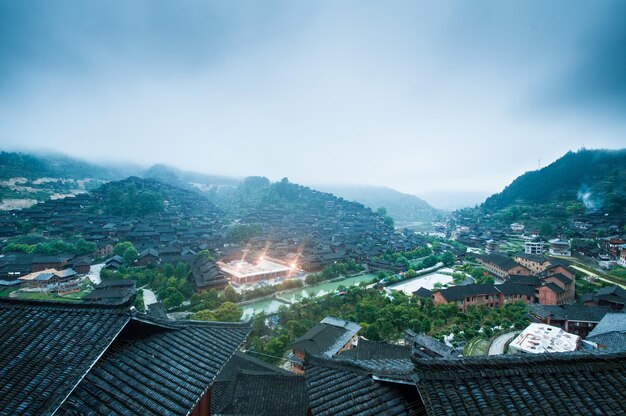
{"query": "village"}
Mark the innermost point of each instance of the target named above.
(333, 290)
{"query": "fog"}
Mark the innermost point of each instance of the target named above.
(426, 98)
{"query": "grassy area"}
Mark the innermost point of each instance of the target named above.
(4, 292)
(477, 346)
(618, 272)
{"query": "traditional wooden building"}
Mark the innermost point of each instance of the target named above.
(579, 383)
(613, 296)
(484, 294)
(575, 319)
(328, 338)
(502, 266)
(249, 386)
(87, 359)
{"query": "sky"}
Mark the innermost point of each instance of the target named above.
(439, 99)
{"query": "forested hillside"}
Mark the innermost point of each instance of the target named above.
(585, 181)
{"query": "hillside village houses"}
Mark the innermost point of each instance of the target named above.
(311, 239)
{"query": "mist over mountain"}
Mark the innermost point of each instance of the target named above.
(452, 200)
(183, 178)
(57, 165)
(403, 208)
(595, 180)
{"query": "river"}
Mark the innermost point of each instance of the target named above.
(272, 305)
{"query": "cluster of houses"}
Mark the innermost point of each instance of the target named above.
(58, 274)
(529, 278)
(316, 230)
(110, 359)
(590, 232)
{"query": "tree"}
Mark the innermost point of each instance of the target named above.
(546, 229)
(228, 312)
(389, 221)
(575, 208)
(204, 315)
(230, 295)
(448, 258)
(181, 271)
(84, 247)
(172, 298)
(206, 254)
(130, 255)
(168, 270)
(121, 247)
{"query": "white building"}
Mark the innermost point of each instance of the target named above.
(534, 247)
(540, 338)
(517, 228)
(560, 247)
(622, 255)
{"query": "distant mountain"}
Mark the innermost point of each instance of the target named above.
(452, 200)
(403, 208)
(586, 180)
(181, 178)
(137, 197)
(35, 166)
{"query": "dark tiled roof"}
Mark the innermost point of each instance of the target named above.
(423, 293)
(508, 288)
(327, 337)
(570, 312)
(344, 388)
(555, 288)
(461, 292)
(613, 341)
(421, 341)
(500, 261)
(610, 332)
(532, 257)
(543, 384)
(613, 294)
(47, 348)
(524, 280)
(373, 350)
(264, 393)
(561, 277)
(156, 369)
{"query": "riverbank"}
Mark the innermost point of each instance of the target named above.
(269, 304)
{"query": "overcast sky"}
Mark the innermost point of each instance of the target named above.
(422, 97)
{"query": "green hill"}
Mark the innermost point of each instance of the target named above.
(29, 166)
(403, 208)
(582, 181)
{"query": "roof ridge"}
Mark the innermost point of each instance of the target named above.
(350, 364)
(486, 366)
(66, 304)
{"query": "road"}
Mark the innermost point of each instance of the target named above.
(597, 276)
(497, 346)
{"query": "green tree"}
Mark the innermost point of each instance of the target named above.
(121, 247)
(448, 258)
(84, 247)
(228, 312)
(130, 255)
(204, 315)
(389, 221)
(546, 229)
(230, 295)
(181, 271)
(168, 270)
